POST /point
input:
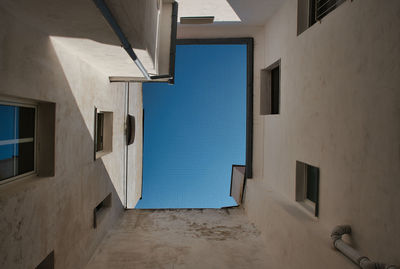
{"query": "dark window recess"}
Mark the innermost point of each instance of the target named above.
(270, 89)
(47, 263)
(100, 132)
(275, 88)
(321, 8)
(311, 11)
(312, 17)
(17, 140)
(312, 183)
(307, 186)
(100, 210)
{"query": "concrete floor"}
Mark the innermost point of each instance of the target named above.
(181, 239)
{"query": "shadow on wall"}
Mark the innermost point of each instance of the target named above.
(75, 18)
(83, 27)
(256, 12)
(39, 215)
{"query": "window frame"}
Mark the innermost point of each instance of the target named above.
(35, 106)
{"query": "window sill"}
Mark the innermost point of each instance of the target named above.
(21, 185)
(100, 154)
(12, 179)
(308, 207)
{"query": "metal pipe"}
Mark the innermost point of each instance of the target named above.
(118, 31)
(353, 254)
(142, 69)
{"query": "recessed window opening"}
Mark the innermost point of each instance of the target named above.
(100, 210)
(311, 11)
(103, 133)
(17, 140)
(321, 8)
(270, 89)
(197, 129)
(100, 131)
(275, 88)
(307, 187)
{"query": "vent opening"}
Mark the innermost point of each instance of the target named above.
(100, 210)
(197, 20)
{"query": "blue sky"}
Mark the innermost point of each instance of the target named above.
(196, 129)
(7, 119)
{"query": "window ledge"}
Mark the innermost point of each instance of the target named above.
(100, 154)
(308, 208)
(21, 185)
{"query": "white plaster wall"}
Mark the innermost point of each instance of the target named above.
(340, 110)
(80, 25)
(238, 12)
(135, 150)
(38, 215)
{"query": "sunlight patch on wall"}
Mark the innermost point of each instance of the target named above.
(220, 9)
(110, 59)
(90, 87)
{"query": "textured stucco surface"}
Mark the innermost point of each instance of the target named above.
(250, 13)
(135, 150)
(38, 215)
(340, 110)
(80, 26)
(206, 238)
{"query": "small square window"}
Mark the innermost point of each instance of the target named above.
(103, 133)
(270, 89)
(307, 186)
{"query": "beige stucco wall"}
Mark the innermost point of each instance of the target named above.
(340, 110)
(38, 215)
(209, 238)
(135, 150)
(80, 25)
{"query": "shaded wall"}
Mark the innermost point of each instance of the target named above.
(38, 215)
(209, 238)
(340, 110)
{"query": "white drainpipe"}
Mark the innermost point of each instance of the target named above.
(353, 254)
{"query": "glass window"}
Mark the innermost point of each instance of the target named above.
(17, 140)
